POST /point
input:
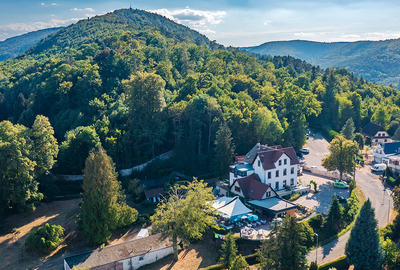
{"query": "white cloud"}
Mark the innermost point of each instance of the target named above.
(267, 23)
(200, 20)
(29, 27)
(83, 9)
(43, 4)
(302, 34)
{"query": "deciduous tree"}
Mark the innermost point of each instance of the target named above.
(184, 215)
(342, 156)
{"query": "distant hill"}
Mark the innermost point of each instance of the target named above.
(376, 61)
(12, 47)
(100, 27)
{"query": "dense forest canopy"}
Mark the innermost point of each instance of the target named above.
(139, 84)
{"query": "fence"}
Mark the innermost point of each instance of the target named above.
(325, 174)
(124, 172)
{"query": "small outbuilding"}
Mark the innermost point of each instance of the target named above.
(154, 195)
(125, 256)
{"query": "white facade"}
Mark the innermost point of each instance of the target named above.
(381, 137)
(150, 257)
(281, 176)
(133, 262)
(394, 164)
(377, 154)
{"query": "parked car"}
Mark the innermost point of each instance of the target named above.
(341, 199)
(314, 167)
(341, 184)
(378, 168)
(305, 151)
(299, 155)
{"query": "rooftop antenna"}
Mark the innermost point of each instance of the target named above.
(130, 6)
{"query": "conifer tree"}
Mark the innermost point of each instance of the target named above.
(348, 129)
(334, 218)
(103, 208)
(45, 147)
(228, 251)
(364, 249)
(396, 135)
(291, 249)
(240, 263)
(224, 148)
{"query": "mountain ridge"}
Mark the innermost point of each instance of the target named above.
(376, 61)
(13, 46)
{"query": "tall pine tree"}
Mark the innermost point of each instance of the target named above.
(334, 218)
(364, 249)
(348, 129)
(103, 208)
(224, 148)
(228, 251)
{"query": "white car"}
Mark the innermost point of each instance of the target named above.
(305, 150)
(314, 167)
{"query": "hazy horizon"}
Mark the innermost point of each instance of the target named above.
(231, 23)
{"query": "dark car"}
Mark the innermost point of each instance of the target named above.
(299, 155)
(342, 199)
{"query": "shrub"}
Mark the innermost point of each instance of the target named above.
(294, 196)
(46, 238)
(340, 263)
(313, 266)
(316, 221)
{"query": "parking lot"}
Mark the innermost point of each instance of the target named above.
(321, 200)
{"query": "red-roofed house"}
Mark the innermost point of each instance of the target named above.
(274, 165)
(252, 188)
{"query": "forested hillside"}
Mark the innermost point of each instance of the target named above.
(12, 47)
(376, 61)
(139, 84)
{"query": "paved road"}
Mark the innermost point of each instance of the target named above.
(369, 184)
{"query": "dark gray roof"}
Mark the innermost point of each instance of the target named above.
(371, 129)
(155, 192)
(252, 154)
(275, 205)
(391, 148)
(115, 253)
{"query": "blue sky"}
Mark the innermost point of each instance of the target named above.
(234, 22)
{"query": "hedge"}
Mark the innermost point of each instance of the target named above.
(339, 264)
(250, 259)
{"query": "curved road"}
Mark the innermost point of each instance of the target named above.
(369, 184)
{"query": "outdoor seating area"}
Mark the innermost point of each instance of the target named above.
(245, 221)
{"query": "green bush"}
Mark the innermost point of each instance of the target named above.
(316, 221)
(294, 196)
(392, 182)
(339, 264)
(313, 266)
(45, 239)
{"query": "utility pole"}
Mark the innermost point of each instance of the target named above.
(316, 249)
